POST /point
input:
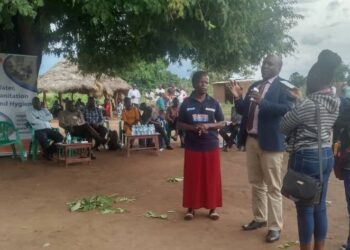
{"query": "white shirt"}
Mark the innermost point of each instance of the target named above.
(136, 94)
(39, 119)
(182, 96)
(254, 130)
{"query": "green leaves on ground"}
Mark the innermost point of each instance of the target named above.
(103, 203)
(152, 214)
(288, 244)
(175, 179)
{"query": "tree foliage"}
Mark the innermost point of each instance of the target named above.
(342, 73)
(111, 35)
(297, 79)
(152, 75)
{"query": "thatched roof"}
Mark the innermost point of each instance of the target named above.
(66, 77)
(113, 84)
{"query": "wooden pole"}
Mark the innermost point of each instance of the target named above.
(60, 98)
(44, 99)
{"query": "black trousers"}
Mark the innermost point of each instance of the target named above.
(102, 131)
(88, 132)
(44, 135)
(233, 130)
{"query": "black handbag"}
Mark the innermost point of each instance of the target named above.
(301, 188)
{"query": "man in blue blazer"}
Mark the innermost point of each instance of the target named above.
(262, 109)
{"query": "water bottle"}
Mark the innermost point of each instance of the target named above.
(133, 130)
(137, 130)
(68, 138)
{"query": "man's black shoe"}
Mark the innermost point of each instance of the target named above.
(169, 147)
(273, 235)
(254, 225)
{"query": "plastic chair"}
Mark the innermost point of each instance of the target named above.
(6, 129)
(33, 146)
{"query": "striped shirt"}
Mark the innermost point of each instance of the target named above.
(300, 123)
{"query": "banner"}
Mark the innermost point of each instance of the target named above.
(18, 85)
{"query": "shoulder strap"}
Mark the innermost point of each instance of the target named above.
(320, 155)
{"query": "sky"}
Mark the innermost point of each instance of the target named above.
(326, 25)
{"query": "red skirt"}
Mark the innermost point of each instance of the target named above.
(202, 179)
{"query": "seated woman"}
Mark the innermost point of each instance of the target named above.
(130, 116)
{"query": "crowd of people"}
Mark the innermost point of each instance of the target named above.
(84, 122)
(270, 119)
(87, 121)
(271, 112)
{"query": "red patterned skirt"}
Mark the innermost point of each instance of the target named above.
(202, 179)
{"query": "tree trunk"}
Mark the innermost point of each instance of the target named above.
(30, 41)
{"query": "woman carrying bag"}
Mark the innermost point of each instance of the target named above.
(319, 109)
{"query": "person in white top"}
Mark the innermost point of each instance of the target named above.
(39, 118)
(150, 97)
(161, 89)
(182, 95)
(134, 95)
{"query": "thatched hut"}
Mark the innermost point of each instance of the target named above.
(113, 86)
(65, 77)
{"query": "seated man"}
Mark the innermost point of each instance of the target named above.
(40, 118)
(150, 117)
(232, 128)
(56, 108)
(93, 117)
(72, 120)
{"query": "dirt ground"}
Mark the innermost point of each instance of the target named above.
(33, 209)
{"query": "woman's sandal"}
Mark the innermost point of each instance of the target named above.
(189, 215)
(214, 215)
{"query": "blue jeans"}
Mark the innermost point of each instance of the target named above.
(312, 220)
(346, 175)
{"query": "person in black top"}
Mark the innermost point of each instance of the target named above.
(200, 117)
(231, 127)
